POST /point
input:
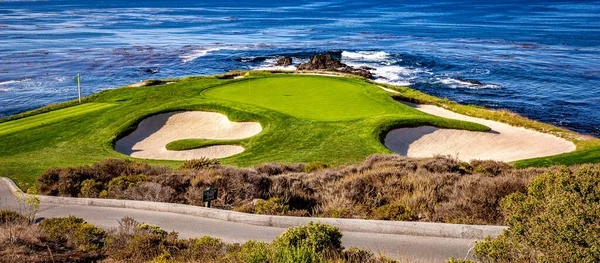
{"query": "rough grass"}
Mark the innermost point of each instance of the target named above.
(364, 114)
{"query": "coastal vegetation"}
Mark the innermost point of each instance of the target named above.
(71, 239)
(556, 220)
(385, 187)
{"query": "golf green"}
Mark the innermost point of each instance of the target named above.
(315, 98)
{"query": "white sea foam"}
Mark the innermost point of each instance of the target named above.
(269, 64)
(194, 54)
(365, 55)
(391, 74)
(13, 81)
(5, 90)
(461, 84)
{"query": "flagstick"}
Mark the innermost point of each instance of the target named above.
(79, 87)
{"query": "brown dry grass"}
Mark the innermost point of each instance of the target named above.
(439, 189)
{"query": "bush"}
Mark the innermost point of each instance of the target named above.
(200, 164)
(557, 220)
(11, 217)
(249, 252)
(118, 185)
(314, 237)
(273, 206)
(314, 167)
(74, 232)
(437, 189)
(205, 249)
(90, 189)
(392, 212)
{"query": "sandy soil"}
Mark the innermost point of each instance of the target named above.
(152, 135)
(503, 143)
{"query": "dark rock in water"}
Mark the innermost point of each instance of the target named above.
(322, 61)
(327, 62)
(357, 71)
(284, 61)
(472, 81)
(366, 68)
(151, 70)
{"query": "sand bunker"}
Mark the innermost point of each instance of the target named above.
(504, 143)
(152, 135)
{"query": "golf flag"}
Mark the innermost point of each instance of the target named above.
(247, 74)
(77, 80)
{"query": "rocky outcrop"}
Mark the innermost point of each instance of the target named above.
(322, 62)
(284, 61)
(327, 62)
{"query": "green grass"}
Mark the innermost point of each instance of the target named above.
(314, 98)
(50, 117)
(304, 118)
(331, 120)
(187, 144)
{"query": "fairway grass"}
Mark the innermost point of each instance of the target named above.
(304, 118)
(50, 117)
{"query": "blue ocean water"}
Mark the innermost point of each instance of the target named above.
(540, 59)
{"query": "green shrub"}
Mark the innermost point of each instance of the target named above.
(354, 254)
(314, 237)
(74, 232)
(392, 212)
(152, 229)
(337, 213)
(135, 248)
(89, 237)
(249, 252)
(273, 206)
(118, 185)
(200, 164)
(11, 217)
(91, 189)
(296, 254)
(558, 220)
(203, 249)
(60, 228)
(314, 167)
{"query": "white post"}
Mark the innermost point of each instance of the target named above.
(79, 87)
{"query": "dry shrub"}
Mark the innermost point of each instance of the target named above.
(431, 189)
(150, 192)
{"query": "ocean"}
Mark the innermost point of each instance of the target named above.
(540, 59)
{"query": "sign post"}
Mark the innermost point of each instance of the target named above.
(79, 87)
(208, 195)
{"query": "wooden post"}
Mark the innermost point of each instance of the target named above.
(79, 87)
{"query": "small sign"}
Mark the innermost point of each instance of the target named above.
(210, 194)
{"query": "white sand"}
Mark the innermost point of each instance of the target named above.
(503, 143)
(152, 135)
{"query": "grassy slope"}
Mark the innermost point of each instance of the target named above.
(344, 131)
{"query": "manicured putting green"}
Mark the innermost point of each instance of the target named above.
(50, 117)
(316, 98)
